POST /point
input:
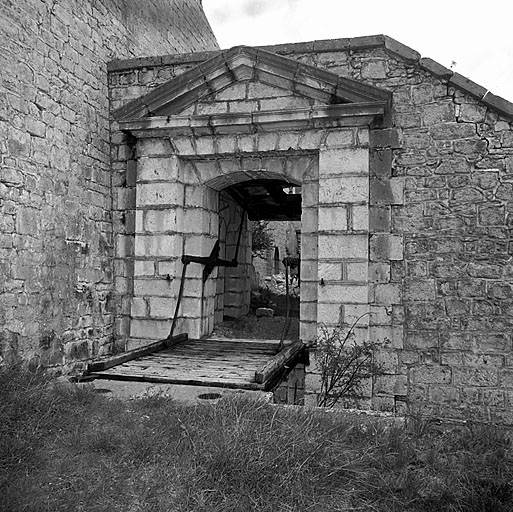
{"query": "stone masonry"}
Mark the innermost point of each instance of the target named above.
(56, 225)
(408, 220)
(111, 170)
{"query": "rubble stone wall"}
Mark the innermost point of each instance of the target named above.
(440, 223)
(56, 246)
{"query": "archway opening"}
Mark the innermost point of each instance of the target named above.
(260, 297)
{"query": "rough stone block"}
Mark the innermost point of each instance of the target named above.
(419, 290)
(387, 294)
(434, 374)
(27, 221)
(475, 376)
(452, 131)
(374, 69)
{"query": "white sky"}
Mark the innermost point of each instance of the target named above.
(476, 36)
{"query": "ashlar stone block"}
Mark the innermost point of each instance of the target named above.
(344, 161)
(343, 190)
(158, 245)
(150, 329)
(156, 194)
(357, 271)
(139, 307)
(333, 219)
(343, 294)
(157, 169)
(159, 221)
(144, 268)
(343, 246)
(330, 271)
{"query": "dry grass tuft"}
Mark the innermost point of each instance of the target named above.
(70, 449)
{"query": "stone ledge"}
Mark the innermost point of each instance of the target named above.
(467, 85)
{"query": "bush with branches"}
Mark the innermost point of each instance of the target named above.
(344, 364)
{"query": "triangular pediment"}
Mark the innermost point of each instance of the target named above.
(244, 74)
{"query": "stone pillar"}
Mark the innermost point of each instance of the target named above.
(343, 251)
(158, 244)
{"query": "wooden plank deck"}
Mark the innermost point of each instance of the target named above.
(209, 362)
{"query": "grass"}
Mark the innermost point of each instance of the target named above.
(69, 449)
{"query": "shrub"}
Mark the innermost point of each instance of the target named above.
(345, 365)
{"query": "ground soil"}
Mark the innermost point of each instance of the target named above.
(271, 293)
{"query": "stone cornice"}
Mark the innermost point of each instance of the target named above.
(390, 45)
(329, 116)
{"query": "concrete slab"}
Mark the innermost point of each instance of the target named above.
(189, 395)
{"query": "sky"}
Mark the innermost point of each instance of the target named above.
(470, 37)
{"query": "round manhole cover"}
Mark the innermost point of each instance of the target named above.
(209, 396)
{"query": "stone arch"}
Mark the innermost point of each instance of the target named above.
(211, 175)
(221, 182)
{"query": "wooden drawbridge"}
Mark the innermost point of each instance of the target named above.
(215, 362)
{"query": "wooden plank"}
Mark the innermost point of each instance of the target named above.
(97, 366)
(185, 381)
(248, 361)
(278, 362)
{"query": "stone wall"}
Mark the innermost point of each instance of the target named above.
(56, 246)
(440, 224)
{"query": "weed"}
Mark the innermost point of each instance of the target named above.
(78, 451)
(345, 365)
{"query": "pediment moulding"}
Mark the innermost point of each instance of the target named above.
(333, 96)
